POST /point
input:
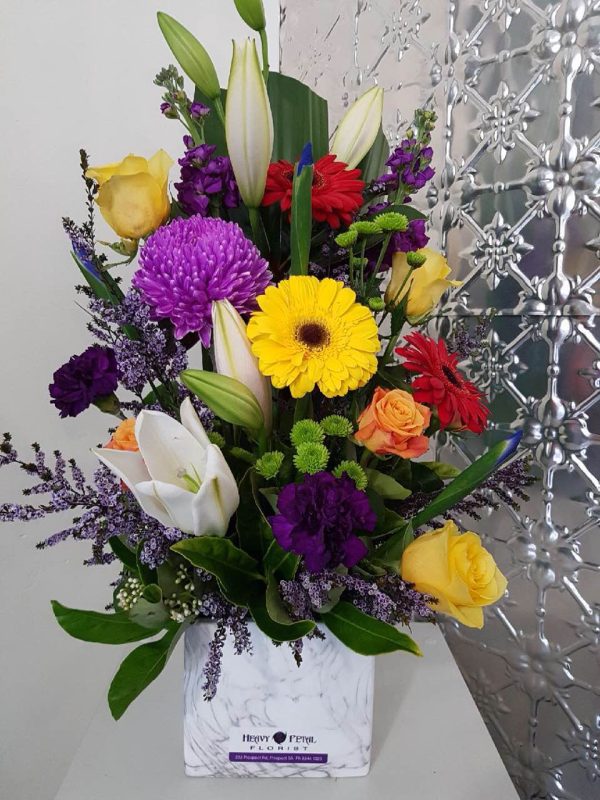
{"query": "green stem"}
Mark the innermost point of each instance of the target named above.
(258, 230)
(220, 111)
(384, 247)
(265, 54)
(363, 250)
(196, 134)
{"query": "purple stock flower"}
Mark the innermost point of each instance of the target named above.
(198, 110)
(83, 380)
(188, 263)
(206, 179)
(409, 164)
(318, 519)
(413, 238)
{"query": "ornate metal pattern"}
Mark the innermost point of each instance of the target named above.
(517, 202)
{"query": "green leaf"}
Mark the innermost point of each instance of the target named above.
(425, 479)
(390, 553)
(140, 668)
(92, 626)
(373, 163)
(236, 571)
(388, 522)
(254, 532)
(104, 289)
(468, 480)
(149, 611)
(280, 562)
(394, 376)
(385, 486)
(299, 116)
(126, 556)
(214, 130)
(364, 634)
(441, 469)
(301, 224)
(277, 631)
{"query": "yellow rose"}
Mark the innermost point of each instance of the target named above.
(425, 286)
(133, 195)
(456, 569)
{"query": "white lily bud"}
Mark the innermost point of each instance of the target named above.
(234, 356)
(248, 123)
(358, 129)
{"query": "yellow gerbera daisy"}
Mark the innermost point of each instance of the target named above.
(311, 332)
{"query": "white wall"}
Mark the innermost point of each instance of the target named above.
(72, 73)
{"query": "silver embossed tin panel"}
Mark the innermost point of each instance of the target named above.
(516, 203)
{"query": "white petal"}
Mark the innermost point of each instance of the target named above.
(191, 422)
(130, 468)
(168, 449)
(218, 498)
(176, 502)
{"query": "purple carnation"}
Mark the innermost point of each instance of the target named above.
(206, 180)
(188, 263)
(318, 519)
(83, 380)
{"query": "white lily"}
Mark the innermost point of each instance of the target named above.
(248, 123)
(234, 356)
(356, 133)
(178, 476)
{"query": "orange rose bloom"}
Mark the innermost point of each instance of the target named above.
(394, 423)
(124, 437)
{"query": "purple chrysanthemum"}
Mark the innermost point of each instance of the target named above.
(319, 518)
(83, 380)
(188, 263)
(206, 180)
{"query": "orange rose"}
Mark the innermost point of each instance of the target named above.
(124, 437)
(394, 423)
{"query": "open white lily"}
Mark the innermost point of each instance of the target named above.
(178, 476)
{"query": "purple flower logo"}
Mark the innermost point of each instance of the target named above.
(279, 737)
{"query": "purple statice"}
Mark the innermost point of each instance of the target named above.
(207, 181)
(465, 339)
(387, 598)
(82, 243)
(144, 351)
(189, 263)
(83, 380)
(103, 509)
(320, 518)
(230, 620)
(506, 485)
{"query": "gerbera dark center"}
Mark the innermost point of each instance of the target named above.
(451, 375)
(313, 334)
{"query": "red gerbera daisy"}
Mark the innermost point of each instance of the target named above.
(336, 190)
(442, 384)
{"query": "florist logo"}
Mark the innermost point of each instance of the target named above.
(279, 740)
(279, 747)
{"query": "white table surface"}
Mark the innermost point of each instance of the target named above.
(429, 742)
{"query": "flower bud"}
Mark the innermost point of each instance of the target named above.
(234, 357)
(248, 123)
(228, 398)
(359, 127)
(192, 57)
(252, 12)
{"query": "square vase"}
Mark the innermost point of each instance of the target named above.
(273, 719)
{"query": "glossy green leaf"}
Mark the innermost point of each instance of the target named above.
(468, 480)
(390, 553)
(149, 611)
(299, 116)
(140, 668)
(280, 562)
(93, 626)
(237, 572)
(364, 634)
(301, 224)
(386, 486)
(126, 556)
(441, 469)
(254, 532)
(286, 632)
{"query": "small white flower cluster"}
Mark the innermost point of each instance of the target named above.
(129, 593)
(185, 604)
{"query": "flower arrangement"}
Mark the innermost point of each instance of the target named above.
(287, 482)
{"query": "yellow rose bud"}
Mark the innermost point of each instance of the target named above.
(133, 194)
(425, 286)
(457, 570)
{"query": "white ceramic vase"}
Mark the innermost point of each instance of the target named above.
(271, 718)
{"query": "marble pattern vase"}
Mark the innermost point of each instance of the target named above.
(271, 718)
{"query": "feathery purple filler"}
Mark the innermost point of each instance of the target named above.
(189, 263)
